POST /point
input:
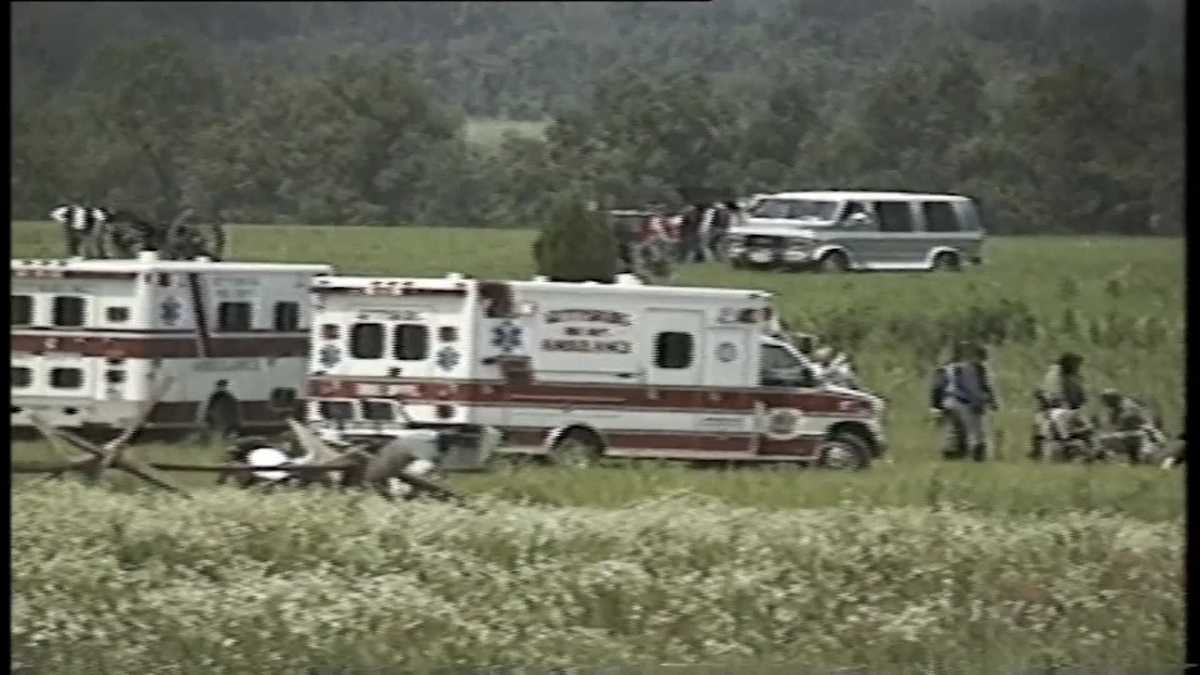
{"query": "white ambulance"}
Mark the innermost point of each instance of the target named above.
(579, 371)
(91, 337)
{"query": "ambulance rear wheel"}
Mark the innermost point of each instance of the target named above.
(577, 449)
(844, 451)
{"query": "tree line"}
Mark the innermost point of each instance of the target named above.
(1059, 117)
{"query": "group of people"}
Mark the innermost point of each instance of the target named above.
(99, 232)
(962, 395)
(698, 234)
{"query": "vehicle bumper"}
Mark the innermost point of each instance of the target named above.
(790, 258)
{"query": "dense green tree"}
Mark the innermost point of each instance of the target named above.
(577, 243)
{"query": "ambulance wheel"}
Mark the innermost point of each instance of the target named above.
(835, 262)
(221, 420)
(577, 449)
(844, 450)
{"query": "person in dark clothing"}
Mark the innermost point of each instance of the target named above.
(689, 234)
(962, 394)
(1059, 401)
(723, 218)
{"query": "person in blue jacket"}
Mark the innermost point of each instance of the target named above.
(962, 395)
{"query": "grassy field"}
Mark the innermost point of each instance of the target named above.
(913, 566)
(489, 133)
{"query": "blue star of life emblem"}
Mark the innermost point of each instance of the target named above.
(507, 337)
(170, 311)
(447, 358)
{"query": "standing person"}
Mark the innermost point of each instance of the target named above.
(689, 233)
(84, 229)
(962, 394)
(1059, 402)
(718, 230)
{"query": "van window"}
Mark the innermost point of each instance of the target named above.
(366, 340)
(66, 378)
(797, 209)
(673, 350)
(969, 210)
(940, 217)
(20, 376)
(410, 342)
(21, 310)
(68, 310)
(233, 317)
(894, 217)
(287, 317)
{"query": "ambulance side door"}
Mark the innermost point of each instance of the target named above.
(674, 365)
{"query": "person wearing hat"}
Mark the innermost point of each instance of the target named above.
(961, 395)
(1059, 401)
(1128, 428)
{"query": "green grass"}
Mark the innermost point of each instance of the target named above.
(686, 594)
(489, 133)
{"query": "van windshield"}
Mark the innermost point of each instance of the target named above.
(795, 209)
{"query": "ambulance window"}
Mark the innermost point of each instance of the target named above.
(336, 410)
(378, 411)
(673, 350)
(22, 310)
(21, 377)
(68, 310)
(282, 397)
(233, 316)
(287, 316)
(116, 314)
(775, 357)
(366, 340)
(410, 342)
(66, 378)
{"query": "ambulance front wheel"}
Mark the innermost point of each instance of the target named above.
(844, 450)
(577, 448)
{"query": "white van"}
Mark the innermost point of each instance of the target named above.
(841, 231)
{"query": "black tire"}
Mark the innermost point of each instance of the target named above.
(844, 450)
(947, 262)
(221, 420)
(578, 449)
(835, 262)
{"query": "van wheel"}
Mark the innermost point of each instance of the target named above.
(577, 449)
(946, 262)
(845, 451)
(221, 421)
(835, 262)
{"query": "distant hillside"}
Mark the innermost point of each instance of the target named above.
(1059, 115)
